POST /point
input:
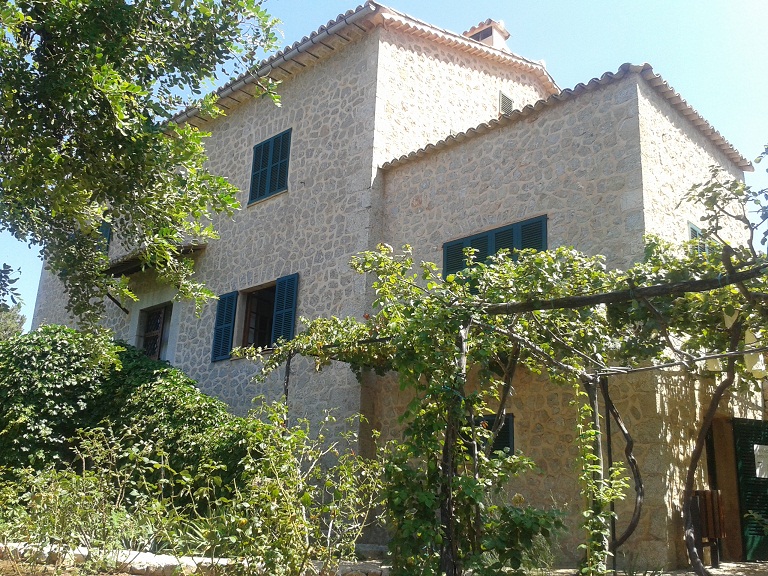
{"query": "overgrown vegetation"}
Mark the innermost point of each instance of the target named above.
(106, 449)
(558, 312)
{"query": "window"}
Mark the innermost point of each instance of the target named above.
(483, 34)
(694, 233)
(259, 317)
(506, 435)
(506, 105)
(154, 324)
(269, 172)
(527, 234)
(270, 314)
(106, 233)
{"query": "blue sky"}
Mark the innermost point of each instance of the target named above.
(713, 52)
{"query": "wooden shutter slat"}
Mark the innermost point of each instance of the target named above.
(533, 234)
(482, 245)
(453, 256)
(504, 239)
(286, 294)
(224, 327)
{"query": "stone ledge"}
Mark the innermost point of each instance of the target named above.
(148, 564)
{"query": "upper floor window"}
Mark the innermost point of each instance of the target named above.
(694, 233)
(526, 234)
(269, 172)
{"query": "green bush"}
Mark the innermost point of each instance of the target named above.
(49, 380)
(296, 507)
(157, 406)
(106, 448)
(55, 381)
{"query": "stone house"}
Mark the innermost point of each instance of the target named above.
(393, 130)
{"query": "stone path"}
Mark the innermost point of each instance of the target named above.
(726, 569)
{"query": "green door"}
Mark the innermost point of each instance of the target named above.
(751, 438)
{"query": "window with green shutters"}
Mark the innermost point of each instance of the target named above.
(270, 314)
(505, 438)
(694, 233)
(269, 171)
(527, 234)
(225, 326)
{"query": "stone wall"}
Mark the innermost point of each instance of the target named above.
(379, 97)
(675, 156)
(584, 164)
(428, 91)
(577, 162)
(313, 228)
(661, 410)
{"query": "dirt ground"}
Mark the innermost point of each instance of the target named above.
(726, 569)
(8, 568)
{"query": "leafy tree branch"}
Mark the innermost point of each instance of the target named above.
(89, 89)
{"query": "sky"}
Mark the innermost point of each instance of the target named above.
(713, 52)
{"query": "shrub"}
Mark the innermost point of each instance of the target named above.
(49, 380)
(112, 449)
(56, 380)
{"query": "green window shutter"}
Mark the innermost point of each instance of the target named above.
(482, 244)
(528, 234)
(106, 232)
(504, 238)
(694, 233)
(259, 171)
(533, 234)
(286, 292)
(224, 327)
(269, 171)
(281, 150)
(453, 257)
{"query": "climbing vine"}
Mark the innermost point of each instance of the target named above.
(559, 312)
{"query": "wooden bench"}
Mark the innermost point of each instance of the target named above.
(708, 523)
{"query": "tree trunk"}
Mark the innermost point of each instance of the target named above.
(599, 475)
(698, 449)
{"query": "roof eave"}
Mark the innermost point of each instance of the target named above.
(385, 16)
(645, 71)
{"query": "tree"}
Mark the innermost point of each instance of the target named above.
(558, 311)
(87, 141)
(8, 291)
(11, 321)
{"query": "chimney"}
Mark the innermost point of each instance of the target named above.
(491, 33)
